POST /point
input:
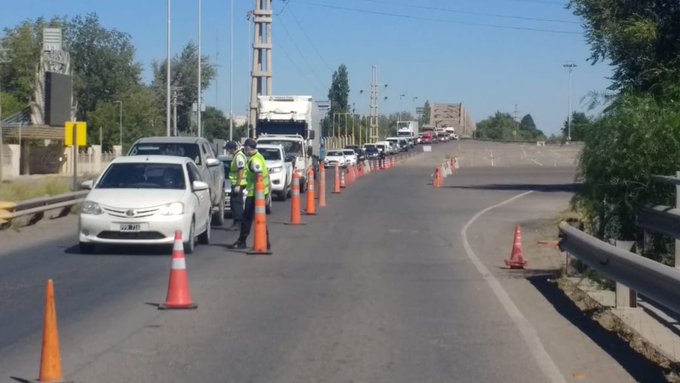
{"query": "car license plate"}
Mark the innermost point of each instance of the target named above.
(130, 227)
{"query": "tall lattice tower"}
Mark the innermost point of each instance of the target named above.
(373, 119)
(262, 58)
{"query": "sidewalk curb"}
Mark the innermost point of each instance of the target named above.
(607, 317)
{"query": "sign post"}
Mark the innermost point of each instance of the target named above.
(75, 135)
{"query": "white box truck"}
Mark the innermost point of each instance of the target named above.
(293, 122)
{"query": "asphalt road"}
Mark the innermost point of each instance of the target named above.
(393, 282)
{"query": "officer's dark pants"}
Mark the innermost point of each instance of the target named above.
(247, 222)
(236, 201)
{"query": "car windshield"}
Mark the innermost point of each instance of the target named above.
(270, 154)
(142, 176)
(180, 149)
(349, 152)
(291, 147)
(334, 153)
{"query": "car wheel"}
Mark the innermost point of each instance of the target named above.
(204, 238)
(218, 217)
(190, 243)
(86, 248)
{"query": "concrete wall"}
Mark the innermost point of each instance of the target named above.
(90, 161)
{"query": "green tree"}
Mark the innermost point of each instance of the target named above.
(637, 137)
(103, 62)
(215, 124)
(141, 118)
(527, 123)
(427, 111)
(184, 75)
(500, 126)
(638, 38)
(23, 44)
(10, 104)
(580, 125)
(338, 94)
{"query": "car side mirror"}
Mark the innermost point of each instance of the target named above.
(211, 162)
(89, 184)
(199, 185)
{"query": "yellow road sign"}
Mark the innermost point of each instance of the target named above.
(81, 133)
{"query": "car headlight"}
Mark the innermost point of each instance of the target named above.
(175, 208)
(91, 207)
(275, 170)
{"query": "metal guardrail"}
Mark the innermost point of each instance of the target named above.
(659, 282)
(43, 204)
(660, 219)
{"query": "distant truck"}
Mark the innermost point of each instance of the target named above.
(407, 129)
(291, 121)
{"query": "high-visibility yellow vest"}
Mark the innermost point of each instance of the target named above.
(233, 169)
(259, 165)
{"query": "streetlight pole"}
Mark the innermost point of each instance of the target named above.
(231, 71)
(120, 124)
(198, 102)
(167, 78)
(570, 67)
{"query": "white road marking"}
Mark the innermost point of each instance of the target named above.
(536, 162)
(545, 362)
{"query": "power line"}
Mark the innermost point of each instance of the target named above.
(439, 9)
(366, 11)
(318, 84)
(297, 21)
(304, 58)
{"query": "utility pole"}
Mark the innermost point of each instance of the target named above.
(516, 118)
(261, 72)
(175, 102)
(199, 130)
(120, 123)
(570, 67)
(167, 78)
(231, 70)
(3, 60)
(373, 119)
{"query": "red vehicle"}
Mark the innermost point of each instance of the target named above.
(427, 137)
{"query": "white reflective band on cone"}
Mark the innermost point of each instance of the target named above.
(178, 246)
(179, 264)
(260, 210)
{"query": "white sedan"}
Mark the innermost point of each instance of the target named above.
(334, 157)
(144, 200)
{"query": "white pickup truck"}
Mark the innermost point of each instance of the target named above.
(280, 168)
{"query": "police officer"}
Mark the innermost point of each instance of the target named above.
(254, 166)
(238, 182)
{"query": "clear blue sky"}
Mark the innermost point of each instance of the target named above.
(489, 54)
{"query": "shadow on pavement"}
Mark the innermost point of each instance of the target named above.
(550, 188)
(106, 250)
(635, 364)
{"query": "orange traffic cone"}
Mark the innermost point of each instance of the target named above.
(295, 201)
(260, 236)
(322, 186)
(342, 179)
(178, 288)
(451, 164)
(337, 180)
(516, 260)
(311, 204)
(436, 181)
(50, 356)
